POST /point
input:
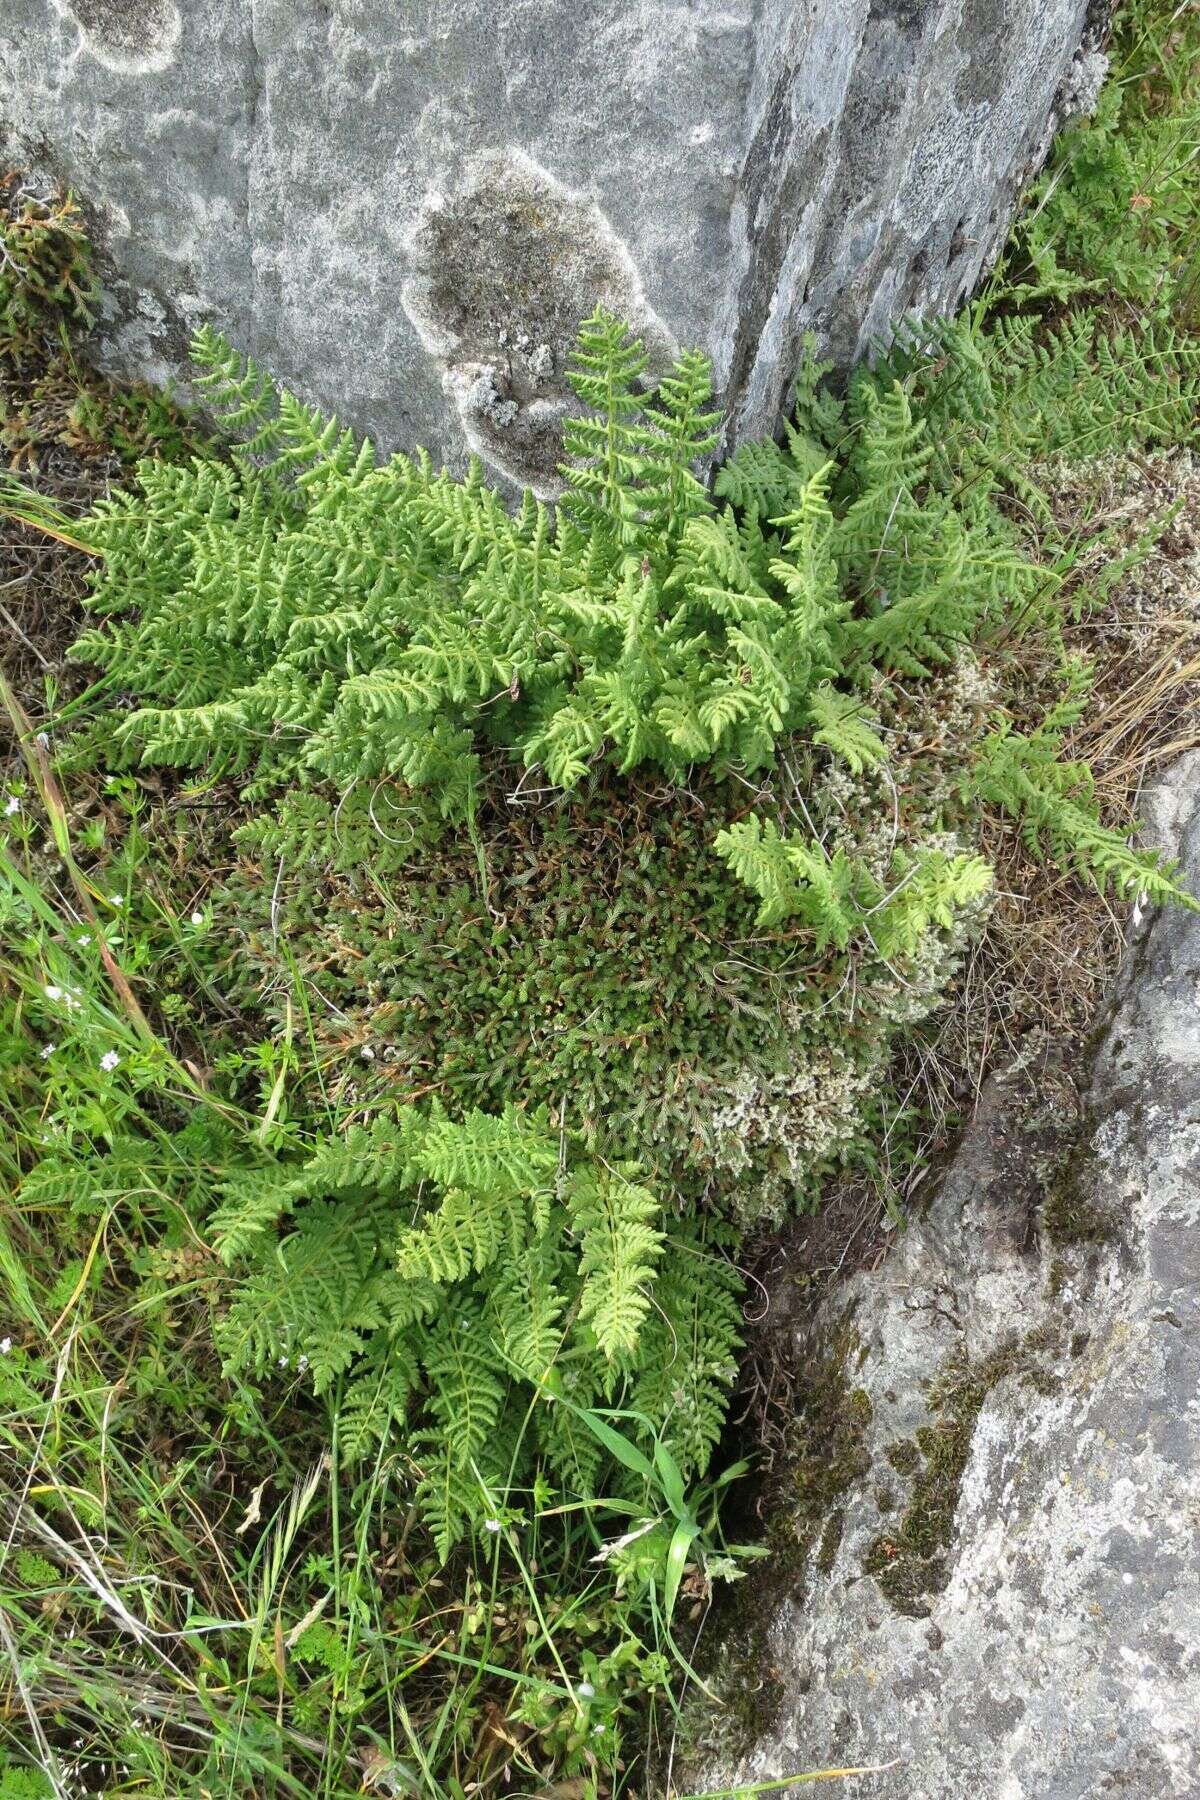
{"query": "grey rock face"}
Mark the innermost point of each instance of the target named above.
(1013, 1604)
(404, 207)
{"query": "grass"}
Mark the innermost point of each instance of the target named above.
(194, 1596)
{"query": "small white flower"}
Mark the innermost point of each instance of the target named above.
(301, 1364)
(585, 1690)
(5, 1346)
(116, 899)
(52, 992)
(46, 1052)
(367, 1054)
(283, 1362)
(491, 1524)
(109, 1061)
(1139, 909)
(12, 805)
(597, 1731)
(83, 940)
(197, 918)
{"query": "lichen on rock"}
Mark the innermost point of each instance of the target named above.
(505, 269)
(129, 36)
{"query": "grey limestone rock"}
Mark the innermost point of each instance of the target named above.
(404, 207)
(1011, 1607)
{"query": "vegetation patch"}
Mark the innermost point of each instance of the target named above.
(1069, 1213)
(442, 944)
(826, 1456)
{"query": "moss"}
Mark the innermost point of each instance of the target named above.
(1069, 1213)
(830, 1540)
(859, 1402)
(828, 1453)
(826, 1456)
(51, 400)
(904, 1456)
(752, 1690)
(909, 1560)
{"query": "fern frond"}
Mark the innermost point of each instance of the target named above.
(465, 1394)
(526, 1304)
(844, 726)
(928, 889)
(1052, 801)
(620, 1246)
(510, 1154)
(244, 398)
(796, 880)
(688, 1360)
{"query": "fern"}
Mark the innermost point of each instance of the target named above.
(323, 617)
(796, 880)
(612, 1215)
(314, 1297)
(509, 1155)
(527, 1299)
(243, 396)
(306, 615)
(929, 887)
(839, 899)
(466, 1395)
(845, 727)
(689, 1342)
(427, 1269)
(1054, 803)
(469, 1230)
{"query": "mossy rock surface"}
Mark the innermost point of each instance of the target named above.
(1019, 1508)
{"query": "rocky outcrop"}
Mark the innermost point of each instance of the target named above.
(1001, 1588)
(405, 208)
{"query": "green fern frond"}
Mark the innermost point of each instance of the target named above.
(689, 1342)
(1053, 803)
(612, 1216)
(796, 880)
(845, 727)
(927, 889)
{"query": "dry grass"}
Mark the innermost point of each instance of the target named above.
(1053, 944)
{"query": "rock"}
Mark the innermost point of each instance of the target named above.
(999, 1584)
(404, 208)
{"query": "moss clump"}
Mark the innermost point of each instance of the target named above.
(904, 1456)
(859, 1404)
(909, 1561)
(827, 1455)
(830, 1540)
(597, 958)
(46, 272)
(50, 399)
(1069, 1214)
